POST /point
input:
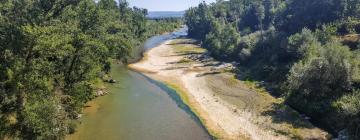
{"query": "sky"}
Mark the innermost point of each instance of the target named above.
(166, 5)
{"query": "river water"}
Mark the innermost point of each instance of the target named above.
(139, 108)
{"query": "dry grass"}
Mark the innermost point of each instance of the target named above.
(351, 37)
(184, 60)
(188, 49)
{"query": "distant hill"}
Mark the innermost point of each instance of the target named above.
(165, 14)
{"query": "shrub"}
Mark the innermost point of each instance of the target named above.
(349, 107)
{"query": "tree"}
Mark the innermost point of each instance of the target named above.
(51, 53)
(299, 43)
(302, 60)
(198, 22)
(260, 12)
(108, 4)
(291, 20)
(325, 73)
(349, 107)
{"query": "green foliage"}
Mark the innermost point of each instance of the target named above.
(299, 43)
(324, 74)
(293, 46)
(350, 104)
(349, 107)
(291, 19)
(43, 118)
(52, 51)
(163, 25)
(349, 26)
(197, 20)
(222, 41)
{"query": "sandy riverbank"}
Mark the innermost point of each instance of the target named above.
(229, 108)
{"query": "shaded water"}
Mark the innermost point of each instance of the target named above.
(139, 108)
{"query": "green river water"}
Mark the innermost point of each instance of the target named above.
(139, 108)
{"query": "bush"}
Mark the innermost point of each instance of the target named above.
(349, 26)
(325, 70)
(324, 75)
(43, 118)
(299, 43)
(349, 107)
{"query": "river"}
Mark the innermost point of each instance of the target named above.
(139, 108)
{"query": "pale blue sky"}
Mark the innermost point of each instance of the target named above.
(166, 5)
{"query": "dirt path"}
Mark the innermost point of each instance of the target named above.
(229, 108)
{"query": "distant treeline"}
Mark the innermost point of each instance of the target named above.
(52, 55)
(307, 51)
(168, 19)
(162, 25)
(165, 14)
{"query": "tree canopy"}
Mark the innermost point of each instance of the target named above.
(52, 52)
(306, 50)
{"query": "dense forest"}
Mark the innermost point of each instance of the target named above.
(306, 51)
(52, 55)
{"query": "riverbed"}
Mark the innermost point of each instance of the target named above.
(139, 108)
(230, 109)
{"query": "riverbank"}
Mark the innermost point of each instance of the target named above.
(137, 108)
(229, 108)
